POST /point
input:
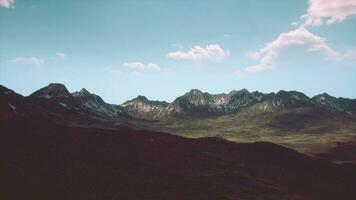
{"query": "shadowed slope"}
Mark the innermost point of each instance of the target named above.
(43, 160)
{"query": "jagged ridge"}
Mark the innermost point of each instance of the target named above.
(193, 103)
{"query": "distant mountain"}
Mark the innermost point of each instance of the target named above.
(53, 90)
(56, 102)
(193, 103)
(289, 118)
(337, 104)
(290, 99)
(242, 98)
(96, 105)
(141, 107)
(196, 102)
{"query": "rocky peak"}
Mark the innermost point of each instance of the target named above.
(336, 104)
(141, 99)
(322, 98)
(238, 99)
(291, 95)
(53, 90)
(194, 97)
(142, 104)
(243, 91)
(239, 92)
(195, 91)
(95, 104)
(287, 99)
(196, 101)
(82, 93)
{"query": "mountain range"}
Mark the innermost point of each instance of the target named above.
(309, 125)
(61, 145)
(192, 103)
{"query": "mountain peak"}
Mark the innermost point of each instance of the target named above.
(289, 99)
(195, 91)
(138, 99)
(52, 90)
(82, 93)
(323, 96)
(141, 98)
(244, 90)
(292, 93)
(236, 92)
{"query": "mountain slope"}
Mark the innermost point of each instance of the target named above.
(59, 162)
(289, 118)
(96, 104)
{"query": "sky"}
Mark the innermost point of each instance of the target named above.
(120, 49)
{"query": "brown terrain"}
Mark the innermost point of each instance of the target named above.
(44, 158)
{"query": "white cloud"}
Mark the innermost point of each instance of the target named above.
(153, 66)
(61, 55)
(331, 11)
(213, 51)
(253, 55)
(298, 37)
(7, 3)
(134, 65)
(27, 60)
(141, 66)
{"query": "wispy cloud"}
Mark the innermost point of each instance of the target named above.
(27, 60)
(329, 11)
(153, 66)
(298, 37)
(213, 51)
(134, 65)
(319, 12)
(7, 3)
(141, 66)
(61, 55)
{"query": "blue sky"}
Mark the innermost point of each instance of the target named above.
(162, 49)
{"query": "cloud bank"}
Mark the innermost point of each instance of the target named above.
(329, 11)
(299, 37)
(7, 3)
